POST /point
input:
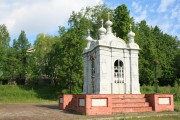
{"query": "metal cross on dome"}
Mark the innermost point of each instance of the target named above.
(88, 32)
(130, 27)
(108, 15)
(102, 22)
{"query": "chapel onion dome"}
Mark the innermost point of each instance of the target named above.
(109, 23)
(102, 30)
(89, 38)
(131, 34)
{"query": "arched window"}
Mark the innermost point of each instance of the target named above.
(118, 71)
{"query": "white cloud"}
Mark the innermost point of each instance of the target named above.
(141, 17)
(40, 16)
(175, 12)
(137, 7)
(165, 26)
(165, 4)
(176, 31)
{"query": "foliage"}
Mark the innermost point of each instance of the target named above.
(122, 21)
(159, 47)
(4, 52)
(20, 46)
(38, 60)
(147, 54)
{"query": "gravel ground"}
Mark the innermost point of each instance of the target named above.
(51, 112)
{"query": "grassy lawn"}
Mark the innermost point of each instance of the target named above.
(177, 106)
(166, 117)
(28, 94)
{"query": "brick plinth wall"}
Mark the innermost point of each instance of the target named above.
(106, 104)
(157, 106)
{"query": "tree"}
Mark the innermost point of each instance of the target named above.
(165, 47)
(4, 52)
(121, 21)
(159, 47)
(71, 60)
(147, 54)
(21, 46)
(89, 18)
(38, 60)
(177, 63)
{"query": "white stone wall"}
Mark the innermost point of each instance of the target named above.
(134, 72)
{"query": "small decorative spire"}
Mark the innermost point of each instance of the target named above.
(88, 39)
(131, 35)
(102, 30)
(102, 22)
(109, 24)
(88, 32)
(108, 15)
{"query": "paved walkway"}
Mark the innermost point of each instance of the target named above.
(51, 112)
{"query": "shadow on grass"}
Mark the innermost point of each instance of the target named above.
(49, 93)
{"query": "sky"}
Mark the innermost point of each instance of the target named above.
(44, 16)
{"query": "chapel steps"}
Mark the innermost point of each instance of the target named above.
(128, 100)
(130, 103)
(131, 109)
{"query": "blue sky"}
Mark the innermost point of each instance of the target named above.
(163, 13)
(44, 16)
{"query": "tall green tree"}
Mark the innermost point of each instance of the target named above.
(90, 18)
(155, 47)
(4, 52)
(165, 47)
(21, 45)
(121, 21)
(38, 61)
(147, 54)
(71, 60)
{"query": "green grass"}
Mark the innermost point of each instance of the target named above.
(28, 94)
(166, 117)
(177, 106)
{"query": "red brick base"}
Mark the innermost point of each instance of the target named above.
(154, 100)
(106, 104)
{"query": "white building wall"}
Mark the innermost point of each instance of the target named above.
(106, 51)
(134, 72)
(127, 71)
(105, 71)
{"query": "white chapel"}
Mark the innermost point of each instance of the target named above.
(111, 65)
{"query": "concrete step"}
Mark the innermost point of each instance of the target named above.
(128, 100)
(129, 96)
(132, 104)
(130, 109)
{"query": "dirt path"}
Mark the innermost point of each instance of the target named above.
(51, 112)
(34, 112)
